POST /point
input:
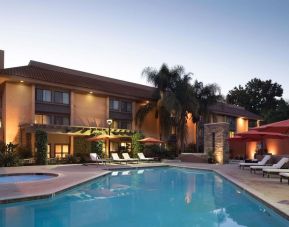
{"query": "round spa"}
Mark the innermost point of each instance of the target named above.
(25, 177)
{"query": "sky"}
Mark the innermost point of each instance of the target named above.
(227, 42)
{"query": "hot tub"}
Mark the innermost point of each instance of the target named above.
(25, 177)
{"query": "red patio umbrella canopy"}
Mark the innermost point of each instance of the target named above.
(150, 140)
(279, 127)
(108, 137)
(258, 135)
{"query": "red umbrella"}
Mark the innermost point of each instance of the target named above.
(150, 140)
(259, 135)
(280, 127)
(108, 137)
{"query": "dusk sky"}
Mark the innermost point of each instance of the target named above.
(227, 42)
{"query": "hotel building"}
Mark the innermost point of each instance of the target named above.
(68, 104)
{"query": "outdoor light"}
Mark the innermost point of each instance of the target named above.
(21, 81)
(109, 122)
(90, 92)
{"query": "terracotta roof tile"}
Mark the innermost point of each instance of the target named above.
(233, 110)
(54, 74)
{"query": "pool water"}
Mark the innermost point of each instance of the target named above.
(151, 197)
(24, 178)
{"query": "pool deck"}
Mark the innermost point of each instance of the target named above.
(269, 190)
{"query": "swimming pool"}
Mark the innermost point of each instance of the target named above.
(24, 177)
(150, 197)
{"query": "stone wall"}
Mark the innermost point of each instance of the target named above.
(216, 139)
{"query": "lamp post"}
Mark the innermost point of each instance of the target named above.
(109, 122)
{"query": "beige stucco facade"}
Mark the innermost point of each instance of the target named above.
(89, 110)
(18, 108)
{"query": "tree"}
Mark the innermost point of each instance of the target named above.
(41, 146)
(257, 96)
(185, 105)
(162, 79)
(174, 100)
(206, 96)
(281, 112)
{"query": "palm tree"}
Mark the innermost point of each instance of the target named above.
(206, 96)
(185, 104)
(162, 79)
(175, 99)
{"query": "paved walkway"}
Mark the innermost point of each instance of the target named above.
(270, 190)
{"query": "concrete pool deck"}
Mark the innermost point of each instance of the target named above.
(269, 190)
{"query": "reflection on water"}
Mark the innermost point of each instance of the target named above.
(151, 197)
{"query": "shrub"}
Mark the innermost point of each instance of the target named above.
(24, 152)
(41, 147)
(136, 146)
(8, 155)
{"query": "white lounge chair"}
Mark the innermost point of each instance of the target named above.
(94, 157)
(278, 165)
(284, 175)
(268, 171)
(116, 158)
(263, 162)
(143, 158)
(128, 158)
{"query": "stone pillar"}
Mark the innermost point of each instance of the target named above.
(216, 140)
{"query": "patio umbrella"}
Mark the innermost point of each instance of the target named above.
(260, 136)
(109, 137)
(279, 127)
(241, 139)
(150, 140)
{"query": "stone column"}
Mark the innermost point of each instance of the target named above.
(216, 139)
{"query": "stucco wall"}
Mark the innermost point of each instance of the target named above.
(18, 108)
(150, 125)
(242, 124)
(89, 110)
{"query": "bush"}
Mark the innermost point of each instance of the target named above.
(24, 152)
(41, 147)
(136, 146)
(8, 155)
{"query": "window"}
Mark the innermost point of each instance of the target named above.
(121, 124)
(42, 119)
(61, 120)
(232, 123)
(61, 150)
(43, 95)
(252, 123)
(126, 107)
(114, 105)
(121, 106)
(61, 97)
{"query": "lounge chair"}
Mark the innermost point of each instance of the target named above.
(273, 171)
(284, 175)
(95, 158)
(143, 158)
(263, 162)
(278, 165)
(116, 158)
(128, 158)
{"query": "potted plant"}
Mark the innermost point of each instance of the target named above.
(211, 156)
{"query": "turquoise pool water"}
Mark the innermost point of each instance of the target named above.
(23, 178)
(151, 197)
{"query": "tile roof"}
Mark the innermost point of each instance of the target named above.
(233, 110)
(53, 74)
(63, 76)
